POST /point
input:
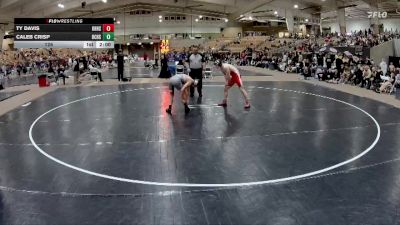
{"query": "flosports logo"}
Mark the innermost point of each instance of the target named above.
(380, 15)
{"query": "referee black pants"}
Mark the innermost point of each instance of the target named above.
(197, 74)
(120, 74)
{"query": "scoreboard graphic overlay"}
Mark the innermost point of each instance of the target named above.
(91, 33)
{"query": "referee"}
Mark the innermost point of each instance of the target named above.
(120, 64)
(196, 64)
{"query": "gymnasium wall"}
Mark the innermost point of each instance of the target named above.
(1, 38)
(391, 24)
(169, 30)
(8, 44)
(151, 25)
(382, 51)
(232, 31)
(396, 44)
(351, 25)
(356, 25)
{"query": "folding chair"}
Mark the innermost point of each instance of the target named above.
(94, 75)
(208, 72)
(180, 69)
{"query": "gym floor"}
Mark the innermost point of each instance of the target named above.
(7, 95)
(303, 154)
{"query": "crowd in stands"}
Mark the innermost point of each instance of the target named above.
(311, 56)
(320, 60)
(317, 57)
(365, 39)
(31, 62)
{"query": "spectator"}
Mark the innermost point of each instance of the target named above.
(51, 70)
(320, 73)
(386, 86)
(366, 76)
(61, 74)
(94, 71)
(384, 67)
(358, 75)
(306, 72)
(320, 60)
(339, 63)
(249, 54)
(377, 79)
(391, 68)
(164, 73)
(328, 61)
(346, 77)
(76, 68)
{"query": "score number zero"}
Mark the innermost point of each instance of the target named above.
(104, 37)
(104, 28)
(107, 32)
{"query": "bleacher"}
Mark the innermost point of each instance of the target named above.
(180, 44)
(218, 43)
(276, 46)
(236, 47)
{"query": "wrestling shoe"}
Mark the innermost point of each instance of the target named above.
(187, 109)
(223, 104)
(169, 110)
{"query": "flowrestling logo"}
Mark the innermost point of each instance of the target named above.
(56, 21)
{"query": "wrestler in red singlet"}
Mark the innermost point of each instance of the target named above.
(235, 79)
(232, 77)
